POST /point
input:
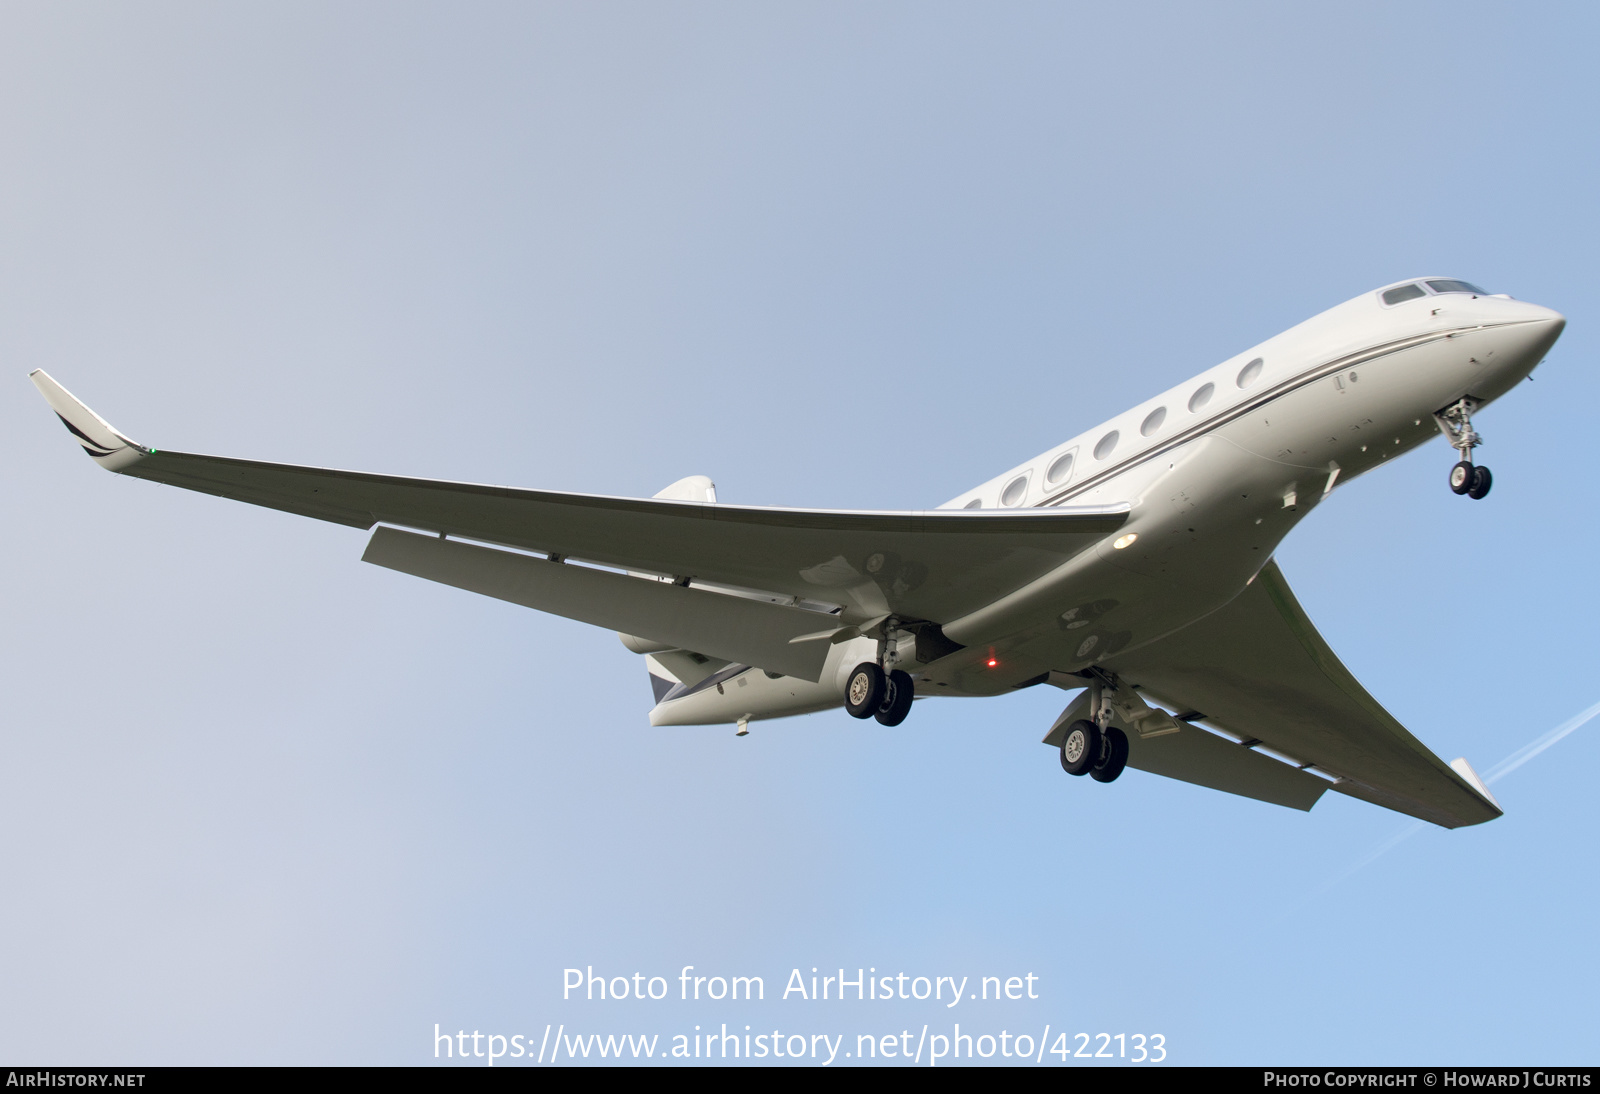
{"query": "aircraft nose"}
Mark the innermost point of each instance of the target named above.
(1529, 330)
(1536, 313)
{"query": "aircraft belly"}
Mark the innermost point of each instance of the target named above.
(1204, 524)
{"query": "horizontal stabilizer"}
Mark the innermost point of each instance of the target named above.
(751, 632)
(686, 666)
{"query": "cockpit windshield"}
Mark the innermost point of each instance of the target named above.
(1456, 286)
(1403, 293)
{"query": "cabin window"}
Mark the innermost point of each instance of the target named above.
(1403, 293)
(1107, 443)
(1201, 396)
(1248, 374)
(1061, 468)
(1153, 420)
(975, 503)
(1014, 490)
(1454, 286)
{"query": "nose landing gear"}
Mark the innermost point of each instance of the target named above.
(1455, 422)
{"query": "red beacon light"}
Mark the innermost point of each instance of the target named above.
(992, 662)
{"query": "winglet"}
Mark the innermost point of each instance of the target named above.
(109, 448)
(1461, 767)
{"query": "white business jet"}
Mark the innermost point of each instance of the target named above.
(1132, 563)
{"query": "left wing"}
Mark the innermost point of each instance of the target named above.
(926, 566)
(1258, 668)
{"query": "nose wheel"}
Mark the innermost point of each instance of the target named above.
(1466, 477)
(1470, 479)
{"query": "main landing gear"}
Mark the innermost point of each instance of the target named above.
(1088, 750)
(1096, 747)
(872, 693)
(1466, 477)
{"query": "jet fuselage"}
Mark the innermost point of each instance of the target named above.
(1216, 470)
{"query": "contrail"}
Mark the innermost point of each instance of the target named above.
(1495, 773)
(1529, 751)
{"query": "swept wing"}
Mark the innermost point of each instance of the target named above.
(925, 566)
(1258, 669)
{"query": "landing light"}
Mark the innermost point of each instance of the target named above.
(1126, 541)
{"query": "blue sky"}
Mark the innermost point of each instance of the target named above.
(263, 803)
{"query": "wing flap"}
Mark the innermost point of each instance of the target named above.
(751, 632)
(1195, 756)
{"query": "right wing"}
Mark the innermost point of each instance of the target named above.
(929, 566)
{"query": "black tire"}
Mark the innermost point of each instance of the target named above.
(1462, 476)
(864, 689)
(897, 699)
(1481, 481)
(1080, 747)
(1113, 757)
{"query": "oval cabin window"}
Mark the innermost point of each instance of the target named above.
(1014, 490)
(1107, 443)
(1061, 468)
(1201, 397)
(975, 503)
(1153, 421)
(1248, 374)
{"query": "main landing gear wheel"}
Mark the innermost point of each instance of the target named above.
(864, 691)
(1481, 481)
(1462, 476)
(1113, 756)
(897, 698)
(1080, 748)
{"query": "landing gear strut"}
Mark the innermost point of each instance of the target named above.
(1455, 421)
